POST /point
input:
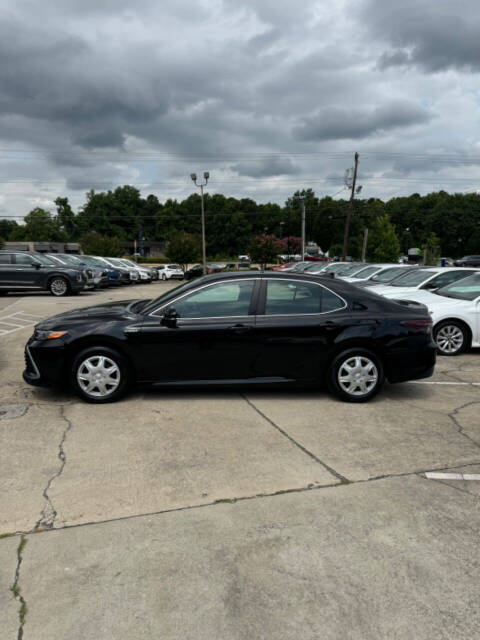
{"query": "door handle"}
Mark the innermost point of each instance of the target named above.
(330, 325)
(239, 328)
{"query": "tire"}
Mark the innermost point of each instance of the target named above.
(452, 337)
(359, 389)
(164, 277)
(58, 286)
(110, 364)
(3, 292)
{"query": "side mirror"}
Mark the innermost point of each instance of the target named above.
(37, 265)
(170, 317)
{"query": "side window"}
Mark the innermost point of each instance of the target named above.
(447, 278)
(288, 297)
(330, 301)
(24, 258)
(219, 300)
(5, 258)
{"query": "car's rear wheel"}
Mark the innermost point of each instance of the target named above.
(451, 337)
(58, 286)
(100, 375)
(164, 277)
(355, 375)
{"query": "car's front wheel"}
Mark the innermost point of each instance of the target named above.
(58, 286)
(355, 375)
(164, 277)
(100, 375)
(451, 337)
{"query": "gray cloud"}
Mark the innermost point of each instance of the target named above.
(434, 35)
(266, 167)
(338, 123)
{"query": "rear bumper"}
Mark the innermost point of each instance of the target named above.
(411, 364)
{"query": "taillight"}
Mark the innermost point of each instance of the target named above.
(418, 323)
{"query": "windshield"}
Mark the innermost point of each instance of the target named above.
(116, 262)
(413, 278)
(316, 268)
(333, 268)
(44, 260)
(387, 275)
(365, 272)
(465, 289)
(74, 262)
(348, 271)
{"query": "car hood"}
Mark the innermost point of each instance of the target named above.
(436, 303)
(108, 311)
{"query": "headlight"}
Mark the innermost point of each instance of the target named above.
(48, 334)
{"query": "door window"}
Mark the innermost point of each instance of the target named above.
(289, 298)
(218, 300)
(24, 258)
(5, 258)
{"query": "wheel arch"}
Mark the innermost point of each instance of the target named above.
(458, 321)
(355, 343)
(96, 341)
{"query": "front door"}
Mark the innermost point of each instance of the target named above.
(27, 271)
(212, 340)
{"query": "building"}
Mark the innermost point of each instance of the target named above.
(43, 247)
(147, 249)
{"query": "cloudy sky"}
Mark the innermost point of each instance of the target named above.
(268, 95)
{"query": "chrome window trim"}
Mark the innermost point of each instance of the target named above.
(209, 284)
(319, 313)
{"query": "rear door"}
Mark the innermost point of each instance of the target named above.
(296, 328)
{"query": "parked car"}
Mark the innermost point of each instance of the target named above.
(170, 271)
(429, 278)
(384, 276)
(125, 275)
(455, 311)
(197, 270)
(31, 271)
(349, 270)
(468, 261)
(368, 271)
(143, 275)
(152, 271)
(97, 277)
(236, 328)
(87, 261)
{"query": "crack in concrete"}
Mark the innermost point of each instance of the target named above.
(49, 513)
(452, 415)
(343, 479)
(16, 591)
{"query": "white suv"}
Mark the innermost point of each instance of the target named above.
(168, 271)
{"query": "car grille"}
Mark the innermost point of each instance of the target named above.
(89, 273)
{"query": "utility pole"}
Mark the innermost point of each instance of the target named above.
(365, 240)
(302, 200)
(206, 176)
(350, 209)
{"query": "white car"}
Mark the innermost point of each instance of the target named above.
(169, 271)
(429, 278)
(145, 274)
(455, 311)
(369, 270)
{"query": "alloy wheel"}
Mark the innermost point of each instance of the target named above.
(450, 338)
(357, 376)
(98, 376)
(58, 287)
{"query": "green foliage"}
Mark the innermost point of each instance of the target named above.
(6, 228)
(94, 244)
(41, 226)
(431, 249)
(264, 249)
(184, 248)
(383, 244)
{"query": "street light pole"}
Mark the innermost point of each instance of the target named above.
(206, 176)
(303, 227)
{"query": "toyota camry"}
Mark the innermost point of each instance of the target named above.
(232, 329)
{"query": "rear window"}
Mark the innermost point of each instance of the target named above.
(387, 275)
(5, 258)
(365, 273)
(413, 278)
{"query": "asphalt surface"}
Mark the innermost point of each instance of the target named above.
(235, 515)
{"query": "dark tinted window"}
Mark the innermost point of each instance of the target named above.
(288, 297)
(24, 258)
(5, 258)
(447, 278)
(219, 300)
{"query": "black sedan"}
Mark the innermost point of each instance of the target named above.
(231, 329)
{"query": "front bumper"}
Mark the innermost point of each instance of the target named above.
(44, 363)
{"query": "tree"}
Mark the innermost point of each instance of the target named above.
(94, 244)
(40, 226)
(7, 227)
(383, 244)
(431, 249)
(290, 245)
(184, 248)
(264, 249)
(65, 219)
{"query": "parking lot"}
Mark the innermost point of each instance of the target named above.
(243, 514)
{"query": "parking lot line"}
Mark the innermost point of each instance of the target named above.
(439, 475)
(17, 321)
(468, 384)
